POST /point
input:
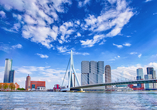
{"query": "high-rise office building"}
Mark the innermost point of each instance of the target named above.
(107, 75)
(84, 78)
(140, 73)
(28, 83)
(93, 78)
(93, 67)
(11, 76)
(100, 67)
(8, 67)
(148, 85)
(84, 72)
(92, 72)
(85, 67)
(139, 76)
(150, 70)
(100, 72)
(154, 74)
(154, 77)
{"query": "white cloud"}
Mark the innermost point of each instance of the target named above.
(115, 58)
(38, 16)
(66, 30)
(128, 36)
(7, 48)
(101, 43)
(79, 53)
(112, 1)
(78, 34)
(139, 56)
(43, 35)
(29, 20)
(154, 13)
(62, 49)
(39, 13)
(133, 53)
(114, 19)
(127, 44)
(83, 3)
(118, 46)
(9, 30)
(48, 74)
(90, 43)
(129, 72)
(19, 17)
(148, 0)
(42, 56)
(17, 46)
(68, 51)
(2, 14)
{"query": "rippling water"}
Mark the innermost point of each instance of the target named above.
(69, 100)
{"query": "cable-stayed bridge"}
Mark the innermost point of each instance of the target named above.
(115, 83)
(72, 76)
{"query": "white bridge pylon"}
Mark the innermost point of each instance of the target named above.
(72, 76)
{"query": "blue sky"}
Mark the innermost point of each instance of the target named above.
(38, 36)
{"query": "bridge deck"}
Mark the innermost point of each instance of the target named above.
(116, 83)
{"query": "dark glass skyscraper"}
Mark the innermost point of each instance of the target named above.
(11, 76)
(150, 70)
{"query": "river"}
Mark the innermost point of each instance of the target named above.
(72, 100)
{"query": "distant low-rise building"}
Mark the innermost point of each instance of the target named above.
(34, 85)
(38, 85)
(56, 88)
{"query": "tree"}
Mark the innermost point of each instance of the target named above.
(20, 89)
(5, 86)
(12, 86)
(1, 85)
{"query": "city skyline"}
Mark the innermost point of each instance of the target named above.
(121, 33)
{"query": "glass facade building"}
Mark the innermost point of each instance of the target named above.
(8, 67)
(92, 72)
(11, 76)
(140, 73)
(150, 70)
(148, 85)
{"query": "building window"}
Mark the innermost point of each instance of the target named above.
(33, 86)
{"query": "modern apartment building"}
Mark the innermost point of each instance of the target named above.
(92, 72)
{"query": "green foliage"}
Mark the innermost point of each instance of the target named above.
(12, 86)
(5, 86)
(20, 89)
(1, 86)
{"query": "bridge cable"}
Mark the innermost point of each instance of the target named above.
(66, 72)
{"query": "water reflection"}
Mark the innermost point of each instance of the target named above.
(68, 100)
